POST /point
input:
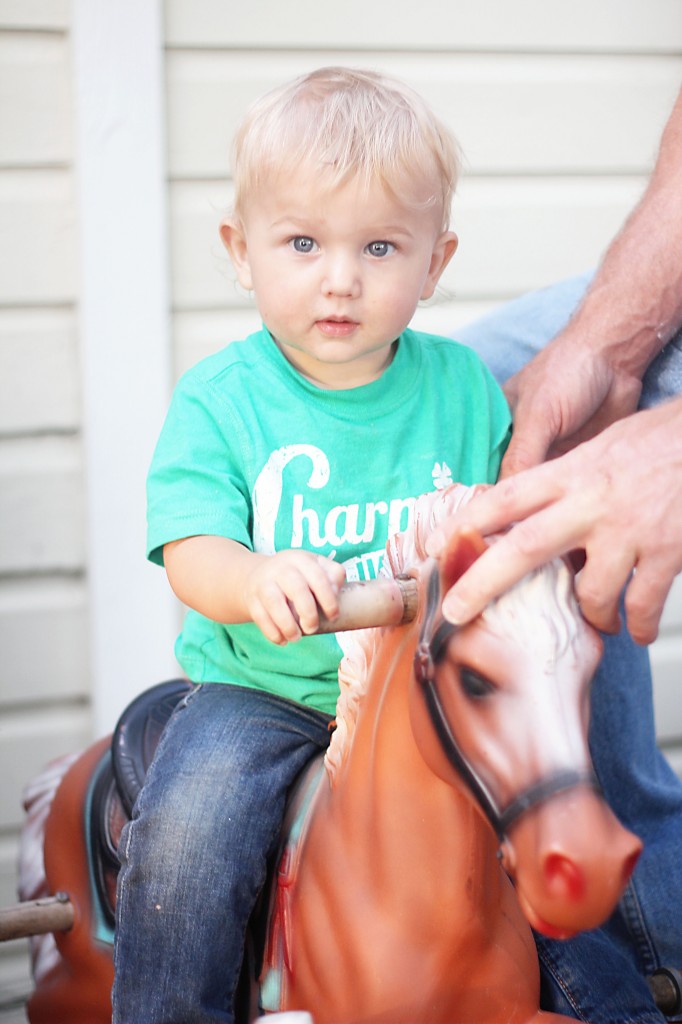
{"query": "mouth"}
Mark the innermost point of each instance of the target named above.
(336, 327)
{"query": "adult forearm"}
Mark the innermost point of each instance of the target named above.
(634, 304)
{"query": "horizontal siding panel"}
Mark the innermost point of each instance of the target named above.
(446, 317)
(564, 225)
(37, 238)
(41, 506)
(8, 870)
(520, 234)
(35, 14)
(39, 371)
(44, 641)
(674, 757)
(672, 613)
(35, 107)
(28, 742)
(666, 657)
(610, 25)
(15, 979)
(201, 272)
(511, 114)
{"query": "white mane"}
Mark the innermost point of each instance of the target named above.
(404, 551)
(540, 610)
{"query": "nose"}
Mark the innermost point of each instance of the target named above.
(341, 276)
(564, 877)
(572, 859)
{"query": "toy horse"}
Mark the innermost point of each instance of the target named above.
(456, 805)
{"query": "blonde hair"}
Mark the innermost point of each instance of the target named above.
(348, 123)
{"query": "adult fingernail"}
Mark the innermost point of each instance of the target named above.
(455, 611)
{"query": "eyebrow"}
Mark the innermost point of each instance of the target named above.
(302, 223)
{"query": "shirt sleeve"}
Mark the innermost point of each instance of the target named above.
(487, 417)
(195, 484)
(500, 425)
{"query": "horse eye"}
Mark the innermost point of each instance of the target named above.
(475, 685)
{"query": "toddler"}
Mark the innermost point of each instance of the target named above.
(285, 462)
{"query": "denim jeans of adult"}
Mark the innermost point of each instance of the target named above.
(598, 976)
(193, 859)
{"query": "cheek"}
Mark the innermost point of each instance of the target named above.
(397, 299)
(273, 300)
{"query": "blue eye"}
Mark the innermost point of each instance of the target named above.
(302, 243)
(379, 248)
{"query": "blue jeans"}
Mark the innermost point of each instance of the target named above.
(511, 335)
(194, 857)
(598, 976)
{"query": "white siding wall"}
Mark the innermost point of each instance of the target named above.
(558, 108)
(44, 678)
(84, 356)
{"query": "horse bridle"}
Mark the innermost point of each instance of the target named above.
(433, 641)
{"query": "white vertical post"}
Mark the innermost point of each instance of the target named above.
(124, 334)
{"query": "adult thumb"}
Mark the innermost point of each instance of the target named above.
(526, 449)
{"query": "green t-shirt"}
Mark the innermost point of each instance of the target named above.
(252, 451)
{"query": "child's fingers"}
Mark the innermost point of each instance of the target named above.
(334, 571)
(310, 588)
(290, 604)
(303, 602)
(325, 579)
(291, 592)
(288, 632)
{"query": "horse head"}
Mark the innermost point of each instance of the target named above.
(501, 705)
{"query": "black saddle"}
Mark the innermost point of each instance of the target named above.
(114, 788)
(118, 780)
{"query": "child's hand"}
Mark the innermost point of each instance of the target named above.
(285, 592)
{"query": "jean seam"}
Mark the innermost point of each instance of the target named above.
(635, 920)
(550, 965)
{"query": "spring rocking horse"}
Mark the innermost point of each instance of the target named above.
(456, 807)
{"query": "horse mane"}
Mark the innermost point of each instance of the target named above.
(540, 610)
(405, 552)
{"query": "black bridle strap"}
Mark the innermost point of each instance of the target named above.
(545, 789)
(451, 749)
(430, 651)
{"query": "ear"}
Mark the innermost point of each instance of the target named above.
(443, 250)
(234, 240)
(463, 548)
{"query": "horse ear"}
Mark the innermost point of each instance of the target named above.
(464, 547)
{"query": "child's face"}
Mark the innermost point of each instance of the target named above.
(337, 273)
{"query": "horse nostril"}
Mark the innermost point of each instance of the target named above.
(564, 878)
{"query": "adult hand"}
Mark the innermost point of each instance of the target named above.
(567, 394)
(618, 497)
